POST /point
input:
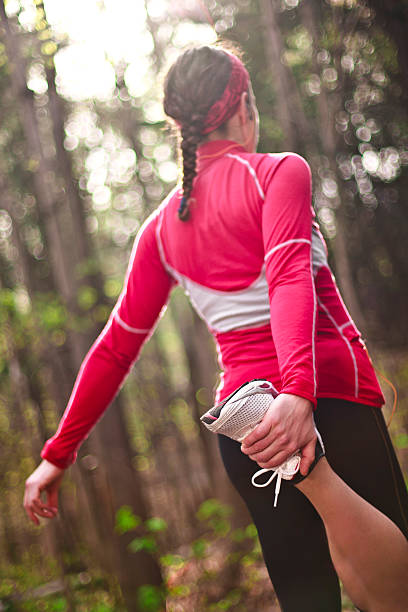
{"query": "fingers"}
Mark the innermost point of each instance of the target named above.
(275, 451)
(258, 446)
(45, 478)
(259, 433)
(52, 499)
(286, 427)
(42, 509)
(34, 506)
(275, 440)
(31, 515)
(272, 450)
(275, 461)
(30, 494)
(308, 455)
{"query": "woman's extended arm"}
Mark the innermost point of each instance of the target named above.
(286, 226)
(145, 292)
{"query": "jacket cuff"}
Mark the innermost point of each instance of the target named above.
(292, 390)
(50, 455)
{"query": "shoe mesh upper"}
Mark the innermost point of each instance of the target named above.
(238, 424)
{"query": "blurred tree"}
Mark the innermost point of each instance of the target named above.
(392, 17)
(62, 226)
(78, 178)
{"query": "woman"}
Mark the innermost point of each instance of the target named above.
(240, 237)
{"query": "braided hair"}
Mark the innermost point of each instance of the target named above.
(195, 81)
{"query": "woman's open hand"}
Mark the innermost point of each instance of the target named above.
(47, 477)
(287, 427)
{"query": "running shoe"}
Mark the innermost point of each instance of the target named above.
(240, 413)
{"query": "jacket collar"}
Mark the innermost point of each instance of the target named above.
(212, 150)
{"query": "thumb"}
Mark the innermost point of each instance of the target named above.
(308, 456)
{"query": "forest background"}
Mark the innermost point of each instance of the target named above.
(146, 512)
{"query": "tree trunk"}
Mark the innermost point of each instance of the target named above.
(392, 16)
(328, 106)
(288, 108)
(135, 570)
(202, 370)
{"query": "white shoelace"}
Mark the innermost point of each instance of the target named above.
(284, 471)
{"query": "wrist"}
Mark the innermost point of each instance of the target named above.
(301, 401)
(50, 466)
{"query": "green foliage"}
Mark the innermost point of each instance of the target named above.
(180, 591)
(87, 267)
(6, 588)
(155, 524)
(227, 602)
(21, 586)
(215, 514)
(212, 508)
(59, 605)
(112, 287)
(102, 607)
(251, 531)
(146, 543)
(174, 561)
(87, 297)
(7, 300)
(126, 520)
(199, 548)
(238, 535)
(50, 311)
(242, 553)
(401, 441)
(180, 414)
(150, 598)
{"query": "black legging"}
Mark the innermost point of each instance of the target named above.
(292, 536)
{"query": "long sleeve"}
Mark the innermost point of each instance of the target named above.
(145, 293)
(286, 227)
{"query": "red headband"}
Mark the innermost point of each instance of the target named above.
(224, 108)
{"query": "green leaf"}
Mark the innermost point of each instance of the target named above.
(401, 441)
(7, 300)
(175, 561)
(251, 531)
(125, 520)
(199, 548)
(180, 590)
(156, 524)
(59, 605)
(247, 560)
(87, 297)
(212, 508)
(51, 312)
(221, 527)
(238, 535)
(112, 287)
(150, 598)
(147, 543)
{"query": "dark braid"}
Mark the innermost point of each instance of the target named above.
(190, 138)
(194, 82)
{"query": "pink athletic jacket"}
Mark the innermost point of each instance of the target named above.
(254, 264)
